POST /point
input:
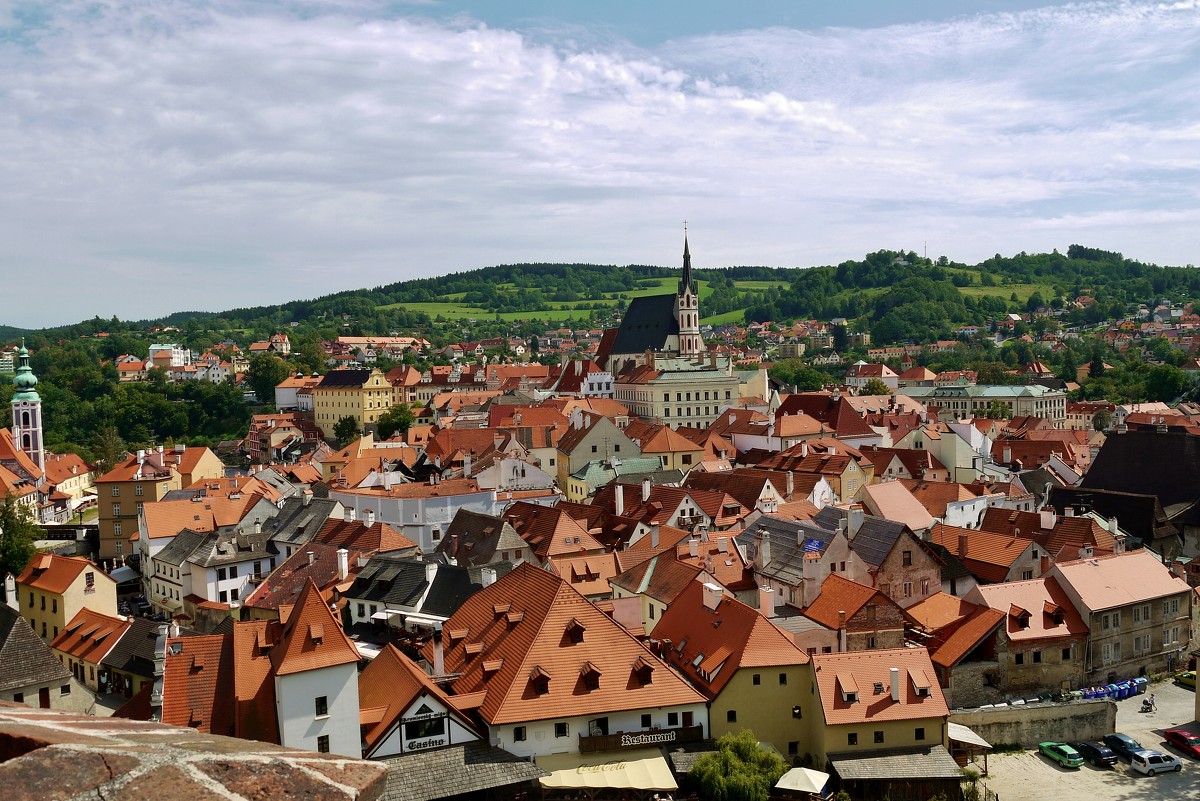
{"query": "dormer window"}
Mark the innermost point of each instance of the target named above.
(575, 631)
(539, 680)
(590, 676)
(643, 671)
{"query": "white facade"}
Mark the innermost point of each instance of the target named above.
(561, 735)
(180, 356)
(425, 725)
(297, 704)
(423, 520)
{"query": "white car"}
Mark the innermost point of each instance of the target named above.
(1151, 762)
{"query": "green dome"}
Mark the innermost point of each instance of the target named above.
(25, 381)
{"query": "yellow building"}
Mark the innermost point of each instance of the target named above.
(361, 394)
(752, 673)
(53, 589)
(145, 477)
(679, 391)
(876, 701)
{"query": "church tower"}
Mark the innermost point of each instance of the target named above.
(687, 308)
(27, 412)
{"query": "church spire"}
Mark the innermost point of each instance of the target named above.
(686, 283)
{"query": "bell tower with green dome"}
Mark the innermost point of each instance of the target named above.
(27, 411)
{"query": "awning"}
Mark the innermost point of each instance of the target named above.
(959, 733)
(803, 780)
(124, 573)
(640, 769)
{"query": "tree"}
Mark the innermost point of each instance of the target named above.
(18, 533)
(996, 410)
(265, 373)
(398, 418)
(345, 429)
(1165, 383)
(739, 770)
(874, 386)
(1101, 420)
(108, 448)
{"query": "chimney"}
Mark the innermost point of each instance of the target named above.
(306, 498)
(343, 557)
(141, 456)
(1043, 564)
(962, 544)
(1048, 518)
(895, 683)
(766, 601)
(712, 595)
(488, 576)
(430, 571)
(620, 500)
(855, 521)
(439, 661)
(1006, 456)
(349, 515)
(841, 631)
(160, 656)
(803, 449)
(467, 461)
(762, 546)
(174, 629)
(645, 490)
(369, 517)
(312, 557)
(693, 548)
(723, 544)
(654, 536)
(791, 487)
(1085, 552)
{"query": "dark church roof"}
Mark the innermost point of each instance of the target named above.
(647, 324)
(1133, 462)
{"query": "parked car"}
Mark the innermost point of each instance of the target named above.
(1098, 754)
(1061, 753)
(1151, 762)
(1185, 741)
(1122, 744)
(1187, 679)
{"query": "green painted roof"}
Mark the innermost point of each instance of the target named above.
(25, 381)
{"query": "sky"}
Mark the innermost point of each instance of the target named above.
(171, 155)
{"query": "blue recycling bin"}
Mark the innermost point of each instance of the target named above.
(1140, 684)
(1113, 691)
(1076, 695)
(1089, 692)
(1124, 689)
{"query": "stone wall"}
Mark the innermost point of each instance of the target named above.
(1031, 724)
(969, 686)
(53, 756)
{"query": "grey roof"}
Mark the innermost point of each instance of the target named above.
(876, 538)
(134, 652)
(789, 541)
(181, 547)
(25, 660)
(473, 538)
(457, 770)
(952, 568)
(278, 481)
(231, 545)
(647, 323)
(296, 523)
(934, 763)
(400, 583)
(345, 378)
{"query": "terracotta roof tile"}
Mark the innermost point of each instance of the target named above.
(54, 574)
(987, 555)
(867, 669)
(963, 638)
(838, 594)
(90, 636)
(540, 645)
(198, 683)
(254, 689)
(1051, 613)
(311, 637)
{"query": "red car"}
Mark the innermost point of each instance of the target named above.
(1185, 741)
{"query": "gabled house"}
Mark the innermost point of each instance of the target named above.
(992, 558)
(750, 671)
(53, 589)
(656, 582)
(852, 617)
(546, 672)
(30, 674)
(475, 540)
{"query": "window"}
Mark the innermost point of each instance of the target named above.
(322, 705)
(852, 738)
(43, 629)
(879, 736)
(561, 729)
(323, 744)
(31, 600)
(907, 559)
(1066, 653)
(116, 509)
(222, 574)
(1037, 657)
(233, 572)
(519, 734)
(652, 611)
(908, 589)
(362, 610)
(595, 448)
(1026, 575)
(224, 596)
(919, 734)
(65, 689)
(645, 721)
(43, 603)
(1019, 659)
(731, 716)
(757, 679)
(19, 698)
(793, 747)
(782, 679)
(139, 490)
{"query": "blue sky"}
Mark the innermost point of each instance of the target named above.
(163, 155)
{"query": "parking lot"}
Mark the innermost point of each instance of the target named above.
(1028, 775)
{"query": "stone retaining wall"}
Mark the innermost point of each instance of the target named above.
(1030, 724)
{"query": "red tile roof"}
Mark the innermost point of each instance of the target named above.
(988, 556)
(198, 684)
(541, 644)
(311, 638)
(866, 669)
(254, 689)
(90, 636)
(54, 574)
(1052, 615)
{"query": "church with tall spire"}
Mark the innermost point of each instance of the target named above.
(662, 370)
(27, 412)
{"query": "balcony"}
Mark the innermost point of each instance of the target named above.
(640, 739)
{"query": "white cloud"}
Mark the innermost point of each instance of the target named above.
(174, 155)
